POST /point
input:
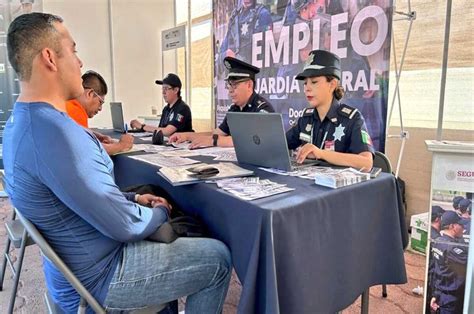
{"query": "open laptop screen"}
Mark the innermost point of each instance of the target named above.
(117, 117)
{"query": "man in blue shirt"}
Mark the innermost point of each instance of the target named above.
(61, 179)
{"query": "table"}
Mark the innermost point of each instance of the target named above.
(311, 250)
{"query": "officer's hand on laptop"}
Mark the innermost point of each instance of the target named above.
(308, 151)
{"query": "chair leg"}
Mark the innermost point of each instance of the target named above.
(365, 302)
(384, 291)
(4, 263)
(16, 278)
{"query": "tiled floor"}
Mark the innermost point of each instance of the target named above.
(400, 299)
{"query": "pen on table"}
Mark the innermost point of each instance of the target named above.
(126, 127)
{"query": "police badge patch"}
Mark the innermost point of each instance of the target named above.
(179, 117)
(308, 127)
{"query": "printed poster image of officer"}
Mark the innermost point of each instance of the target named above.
(246, 19)
(329, 130)
(447, 271)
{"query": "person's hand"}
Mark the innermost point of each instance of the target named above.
(151, 200)
(230, 53)
(178, 138)
(105, 139)
(135, 124)
(308, 151)
(201, 141)
(434, 306)
(126, 142)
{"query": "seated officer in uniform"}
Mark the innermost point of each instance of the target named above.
(89, 104)
(436, 213)
(240, 83)
(329, 130)
(176, 115)
(449, 272)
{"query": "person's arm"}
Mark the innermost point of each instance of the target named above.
(206, 140)
(181, 137)
(124, 144)
(104, 139)
(78, 173)
(362, 161)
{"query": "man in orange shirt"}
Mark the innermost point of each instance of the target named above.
(89, 104)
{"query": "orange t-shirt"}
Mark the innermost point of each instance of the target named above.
(77, 112)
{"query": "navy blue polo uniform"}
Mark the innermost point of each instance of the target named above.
(243, 23)
(434, 233)
(178, 116)
(449, 273)
(342, 130)
(256, 103)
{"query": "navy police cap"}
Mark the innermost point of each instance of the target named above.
(436, 211)
(171, 80)
(239, 69)
(456, 201)
(448, 218)
(320, 63)
(464, 204)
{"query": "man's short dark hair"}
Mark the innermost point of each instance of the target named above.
(95, 81)
(27, 35)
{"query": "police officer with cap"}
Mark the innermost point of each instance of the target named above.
(456, 201)
(449, 272)
(176, 115)
(436, 213)
(240, 82)
(464, 209)
(329, 130)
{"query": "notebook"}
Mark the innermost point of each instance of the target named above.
(117, 118)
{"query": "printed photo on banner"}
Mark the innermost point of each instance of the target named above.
(448, 247)
(277, 37)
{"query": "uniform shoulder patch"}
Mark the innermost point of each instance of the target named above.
(347, 111)
(308, 112)
(457, 250)
(260, 103)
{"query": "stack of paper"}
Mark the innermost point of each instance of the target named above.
(335, 178)
(180, 175)
(252, 188)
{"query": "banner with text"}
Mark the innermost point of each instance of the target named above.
(277, 37)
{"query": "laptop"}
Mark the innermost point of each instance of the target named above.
(260, 140)
(117, 118)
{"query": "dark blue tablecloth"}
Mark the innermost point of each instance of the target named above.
(312, 250)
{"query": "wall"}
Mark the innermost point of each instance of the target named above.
(136, 27)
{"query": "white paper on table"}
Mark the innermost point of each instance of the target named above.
(163, 161)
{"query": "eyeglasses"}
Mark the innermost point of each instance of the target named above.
(101, 100)
(233, 84)
(166, 88)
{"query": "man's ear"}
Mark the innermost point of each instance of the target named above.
(49, 58)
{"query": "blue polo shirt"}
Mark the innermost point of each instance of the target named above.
(60, 178)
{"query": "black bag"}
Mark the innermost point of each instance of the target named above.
(179, 225)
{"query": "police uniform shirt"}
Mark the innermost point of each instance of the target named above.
(434, 233)
(178, 116)
(342, 130)
(256, 103)
(449, 273)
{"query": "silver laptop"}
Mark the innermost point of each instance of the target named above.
(259, 139)
(118, 123)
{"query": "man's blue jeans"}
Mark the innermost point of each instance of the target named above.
(152, 273)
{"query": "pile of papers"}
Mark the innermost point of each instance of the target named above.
(252, 188)
(335, 178)
(181, 175)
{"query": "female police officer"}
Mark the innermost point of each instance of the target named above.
(327, 129)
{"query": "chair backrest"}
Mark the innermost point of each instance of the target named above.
(56, 260)
(381, 161)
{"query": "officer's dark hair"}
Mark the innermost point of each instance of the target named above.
(339, 91)
(95, 81)
(27, 35)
